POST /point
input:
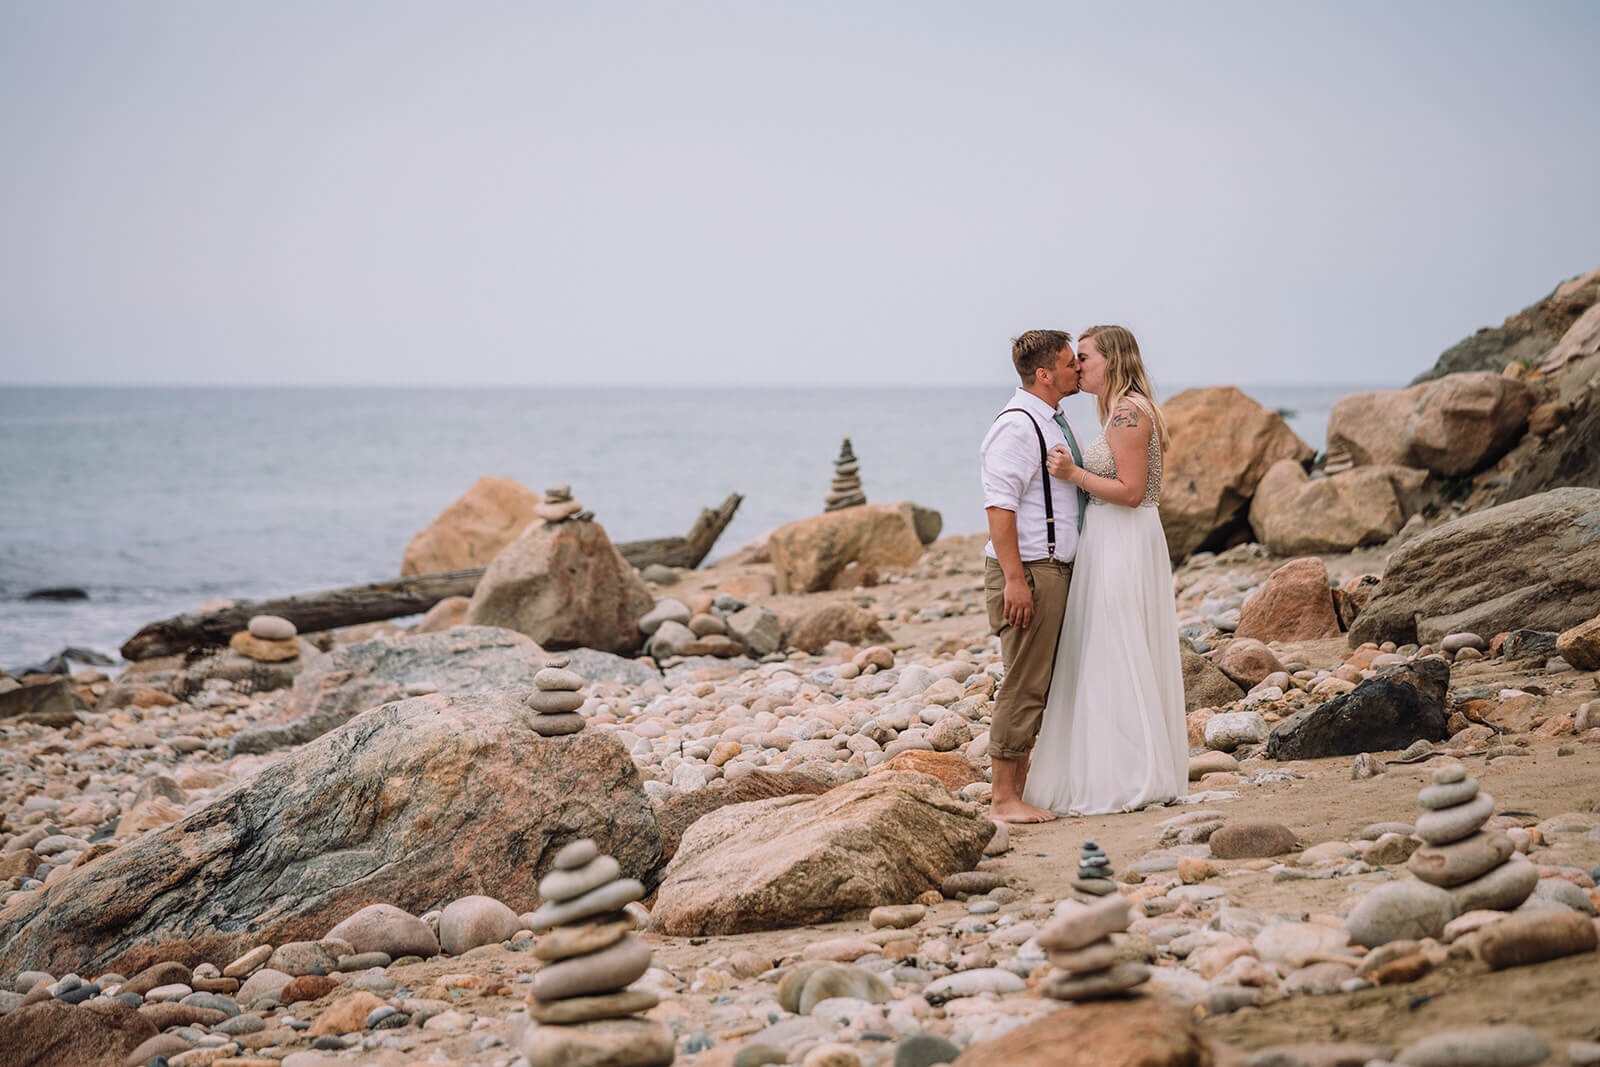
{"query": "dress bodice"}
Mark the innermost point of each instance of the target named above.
(1097, 459)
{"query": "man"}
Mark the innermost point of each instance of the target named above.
(1033, 537)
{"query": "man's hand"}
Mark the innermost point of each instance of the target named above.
(1019, 602)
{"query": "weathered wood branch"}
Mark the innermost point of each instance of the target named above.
(351, 606)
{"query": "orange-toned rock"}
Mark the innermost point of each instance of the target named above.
(1296, 604)
(809, 554)
(951, 768)
(839, 621)
(1294, 514)
(248, 644)
(1223, 444)
(1141, 1032)
(1247, 661)
(308, 987)
(1453, 425)
(451, 611)
(347, 1015)
(472, 530)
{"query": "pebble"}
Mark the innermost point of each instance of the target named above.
(1480, 1046)
(1535, 937)
(565, 884)
(971, 983)
(1075, 928)
(1452, 824)
(1400, 910)
(897, 916)
(605, 970)
(1502, 888)
(473, 921)
(271, 628)
(610, 897)
(576, 855)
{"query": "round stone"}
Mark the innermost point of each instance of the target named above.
(558, 679)
(1438, 797)
(556, 725)
(609, 897)
(271, 628)
(1251, 840)
(473, 921)
(1411, 910)
(555, 701)
(1452, 824)
(605, 971)
(1460, 861)
(1502, 889)
(567, 941)
(637, 1042)
(1116, 979)
(1524, 939)
(576, 854)
(1455, 772)
(1478, 1046)
(585, 1009)
(561, 885)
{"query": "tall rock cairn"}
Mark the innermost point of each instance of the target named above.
(557, 696)
(1083, 943)
(1480, 868)
(590, 953)
(846, 491)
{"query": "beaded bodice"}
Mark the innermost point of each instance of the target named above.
(1097, 459)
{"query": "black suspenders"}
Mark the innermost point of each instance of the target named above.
(1044, 477)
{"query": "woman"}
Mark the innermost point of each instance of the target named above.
(1114, 736)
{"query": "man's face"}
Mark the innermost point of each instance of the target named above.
(1063, 374)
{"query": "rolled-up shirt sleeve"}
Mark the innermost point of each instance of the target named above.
(1010, 459)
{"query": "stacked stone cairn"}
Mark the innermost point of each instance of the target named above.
(267, 639)
(1094, 871)
(558, 506)
(555, 701)
(1480, 868)
(846, 491)
(1083, 944)
(590, 956)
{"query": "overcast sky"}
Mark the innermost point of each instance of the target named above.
(756, 193)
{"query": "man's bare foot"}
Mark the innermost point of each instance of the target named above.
(1017, 811)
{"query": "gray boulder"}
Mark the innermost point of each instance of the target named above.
(352, 678)
(1530, 563)
(413, 804)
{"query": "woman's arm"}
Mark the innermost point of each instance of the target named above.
(1128, 434)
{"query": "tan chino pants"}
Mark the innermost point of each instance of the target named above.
(1029, 653)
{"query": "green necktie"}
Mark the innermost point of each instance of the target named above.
(1077, 457)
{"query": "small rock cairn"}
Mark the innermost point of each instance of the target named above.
(1094, 871)
(846, 481)
(1475, 865)
(590, 953)
(558, 506)
(1081, 942)
(555, 701)
(267, 639)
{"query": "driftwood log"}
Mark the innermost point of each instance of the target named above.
(351, 606)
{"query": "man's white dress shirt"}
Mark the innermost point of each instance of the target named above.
(1014, 479)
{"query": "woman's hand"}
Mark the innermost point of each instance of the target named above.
(1060, 464)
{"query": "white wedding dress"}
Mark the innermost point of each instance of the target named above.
(1114, 736)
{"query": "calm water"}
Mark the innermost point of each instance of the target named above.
(156, 499)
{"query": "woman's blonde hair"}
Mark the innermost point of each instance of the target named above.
(1125, 374)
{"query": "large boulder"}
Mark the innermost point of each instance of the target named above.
(564, 585)
(1294, 514)
(1526, 337)
(53, 703)
(678, 813)
(839, 621)
(1223, 444)
(1532, 563)
(1454, 425)
(1204, 684)
(1295, 604)
(103, 1033)
(1404, 703)
(352, 678)
(473, 530)
(412, 804)
(1132, 1032)
(789, 861)
(809, 554)
(1568, 453)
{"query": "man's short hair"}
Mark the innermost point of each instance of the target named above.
(1035, 349)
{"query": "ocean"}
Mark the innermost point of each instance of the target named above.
(155, 500)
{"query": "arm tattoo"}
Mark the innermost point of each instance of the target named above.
(1127, 415)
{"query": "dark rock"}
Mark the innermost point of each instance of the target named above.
(55, 703)
(51, 1033)
(1525, 644)
(58, 592)
(1569, 458)
(1532, 563)
(1403, 704)
(414, 803)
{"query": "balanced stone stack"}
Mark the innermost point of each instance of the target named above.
(846, 491)
(556, 699)
(1480, 868)
(590, 956)
(1094, 871)
(558, 505)
(1082, 942)
(267, 639)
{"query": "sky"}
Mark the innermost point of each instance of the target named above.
(762, 193)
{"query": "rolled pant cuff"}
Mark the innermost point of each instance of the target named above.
(1013, 756)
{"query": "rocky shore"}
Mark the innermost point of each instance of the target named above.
(737, 816)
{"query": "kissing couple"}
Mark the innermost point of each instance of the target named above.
(1090, 717)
